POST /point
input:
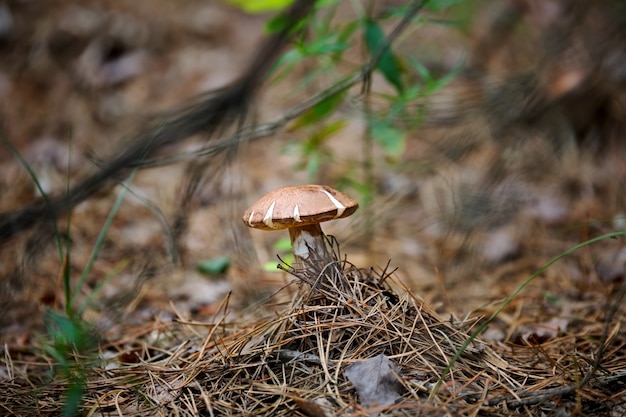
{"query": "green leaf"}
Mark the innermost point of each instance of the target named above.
(327, 130)
(259, 6)
(423, 72)
(347, 31)
(281, 22)
(291, 58)
(433, 83)
(551, 298)
(285, 63)
(215, 266)
(313, 165)
(73, 397)
(282, 245)
(445, 79)
(325, 45)
(272, 266)
(319, 112)
(391, 139)
(438, 5)
(388, 64)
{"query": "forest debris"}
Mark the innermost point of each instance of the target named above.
(318, 407)
(376, 381)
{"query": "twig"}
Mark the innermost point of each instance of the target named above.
(220, 108)
(270, 128)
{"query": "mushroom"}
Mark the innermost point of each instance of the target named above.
(301, 209)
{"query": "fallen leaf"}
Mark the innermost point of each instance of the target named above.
(376, 381)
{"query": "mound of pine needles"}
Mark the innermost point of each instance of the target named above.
(353, 342)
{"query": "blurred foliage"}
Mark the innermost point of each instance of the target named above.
(214, 266)
(323, 55)
(259, 6)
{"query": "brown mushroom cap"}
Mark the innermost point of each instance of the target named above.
(297, 206)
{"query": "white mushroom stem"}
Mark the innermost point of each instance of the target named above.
(306, 240)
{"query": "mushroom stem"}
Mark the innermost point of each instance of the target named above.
(306, 240)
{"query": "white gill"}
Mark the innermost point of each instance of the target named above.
(340, 207)
(268, 216)
(296, 214)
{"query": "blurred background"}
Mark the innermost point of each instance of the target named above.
(488, 141)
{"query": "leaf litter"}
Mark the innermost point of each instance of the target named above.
(353, 342)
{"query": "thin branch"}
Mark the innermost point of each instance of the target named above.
(216, 111)
(270, 128)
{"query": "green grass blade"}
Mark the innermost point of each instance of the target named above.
(116, 270)
(104, 232)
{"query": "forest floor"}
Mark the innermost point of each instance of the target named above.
(485, 193)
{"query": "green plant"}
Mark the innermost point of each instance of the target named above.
(285, 253)
(214, 266)
(324, 55)
(70, 339)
